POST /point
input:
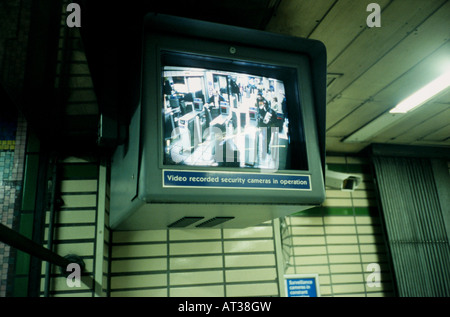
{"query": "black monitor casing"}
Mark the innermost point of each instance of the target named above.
(139, 199)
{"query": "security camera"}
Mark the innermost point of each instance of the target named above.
(342, 181)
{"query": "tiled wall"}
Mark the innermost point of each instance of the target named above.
(337, 241)
(12, 149)
(81, 223)
(341, 238)
(79, 227)
(209, 262)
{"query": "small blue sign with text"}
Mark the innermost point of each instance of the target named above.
(301, 286)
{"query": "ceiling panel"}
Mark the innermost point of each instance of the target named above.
(416, 76)
(373, 44)
(443, 97)
(355, 119)
(357, 115)
(439, 136)
(344, 23)
(339, 108)
(430, 124)
(299, 18)
(377, 67)
(403, 132)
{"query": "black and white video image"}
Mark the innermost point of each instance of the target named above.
(224, 119)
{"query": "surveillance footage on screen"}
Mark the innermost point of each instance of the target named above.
(222, 118)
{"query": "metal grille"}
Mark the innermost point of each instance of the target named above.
(415, 226)
(341, 239)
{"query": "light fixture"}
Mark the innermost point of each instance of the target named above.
(387, 119)
(423, 94)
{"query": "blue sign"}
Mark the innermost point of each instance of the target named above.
(302, 286)
(200, 179)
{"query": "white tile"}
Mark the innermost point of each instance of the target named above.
(197, 262)
(119, 251)
(251, 232)
(73, 216)
(81, 249)
(346, 268)
(249, 260)
(251, 275)
(333, 249)
(136, 281)
(75, 201)
(71, 233)
(316, 269)
(192, 278)
(188, 234)
(259, 289)
(348, 278)
(313, 250)
(372, 248)
(369, 230)
(361, 202)
(340, 229)
(349, 288)
(339, 220)
(325, 291)
(71, 186)
(368, 239)
(337, 202)
(307, 230)
(310, 260)
(249, 246)
(138, 265)
(347, 258)
(139, 236)
(309, 240)
(342, 239)
(195, 248)
(200, 291)
(374, 258)
(298, 220)
(367, 220)
(161, 292)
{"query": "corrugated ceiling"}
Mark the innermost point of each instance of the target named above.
(372, 69)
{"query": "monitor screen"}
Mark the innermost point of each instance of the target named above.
(227, 114)
(229, 130)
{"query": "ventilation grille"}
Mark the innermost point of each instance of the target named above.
(415, 226)
(187, 221)
(184, 222)
(214, 222)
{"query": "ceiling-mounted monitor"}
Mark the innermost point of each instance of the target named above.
(229, 131)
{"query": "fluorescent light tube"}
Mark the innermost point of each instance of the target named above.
(389, 118)
(424, 94)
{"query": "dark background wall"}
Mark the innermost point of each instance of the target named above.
(14, 30)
